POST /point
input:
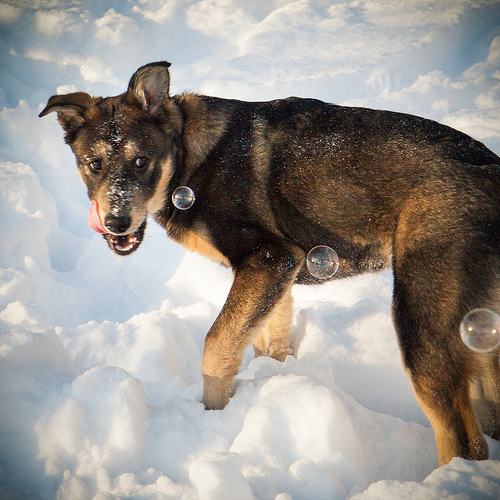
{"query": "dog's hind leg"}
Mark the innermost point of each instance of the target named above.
(435, 282)
(439, 368)
(456, 428)
(260, 285)
(273, 337)
(485, 393)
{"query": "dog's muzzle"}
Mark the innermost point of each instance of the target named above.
(121, 244)
(125, 244)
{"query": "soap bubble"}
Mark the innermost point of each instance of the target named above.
(480, 330)
(322, 262)
(183, 197)
(73, 65)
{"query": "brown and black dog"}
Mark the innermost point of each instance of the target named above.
(274, 179)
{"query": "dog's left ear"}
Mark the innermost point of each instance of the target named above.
(70, 110)
(149, 86)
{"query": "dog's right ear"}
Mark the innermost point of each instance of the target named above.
(149, 86)
(70, 110)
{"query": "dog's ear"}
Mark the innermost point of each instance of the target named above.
(149, 86)
(70, 110)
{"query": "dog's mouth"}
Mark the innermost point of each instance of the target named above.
(125, 244)
(121, 244)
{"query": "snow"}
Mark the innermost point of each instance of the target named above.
(100, 356)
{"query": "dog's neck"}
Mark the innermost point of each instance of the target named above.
(204, 125)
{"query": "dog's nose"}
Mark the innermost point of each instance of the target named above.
(117, 225)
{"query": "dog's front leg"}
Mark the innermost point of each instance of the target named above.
(259, 283)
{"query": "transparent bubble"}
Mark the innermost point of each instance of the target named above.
(322, 262)
(183, 197)
(480, 330)
(73, 65)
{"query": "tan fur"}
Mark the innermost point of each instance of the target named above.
(157, 202)
(272, 339)
(98, 149)
(224, 351)
(130, 149)
(261, 155)
(198, 240)
(456, 430)
(485, 393)
(202, 130)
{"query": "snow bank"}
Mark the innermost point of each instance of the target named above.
(100, 377)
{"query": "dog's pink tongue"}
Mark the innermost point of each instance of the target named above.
(95, 222)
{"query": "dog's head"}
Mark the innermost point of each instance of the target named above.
(125, 148)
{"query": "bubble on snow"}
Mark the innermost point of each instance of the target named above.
(183, 197)
(73, 65)
(322, 262)
(480, 330)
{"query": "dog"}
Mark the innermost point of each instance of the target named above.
(269, 181)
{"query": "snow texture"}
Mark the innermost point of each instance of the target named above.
(100, 376)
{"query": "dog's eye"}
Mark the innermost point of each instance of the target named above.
(141, 163)
(95, 165)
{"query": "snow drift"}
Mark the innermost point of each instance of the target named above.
(99, 356)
